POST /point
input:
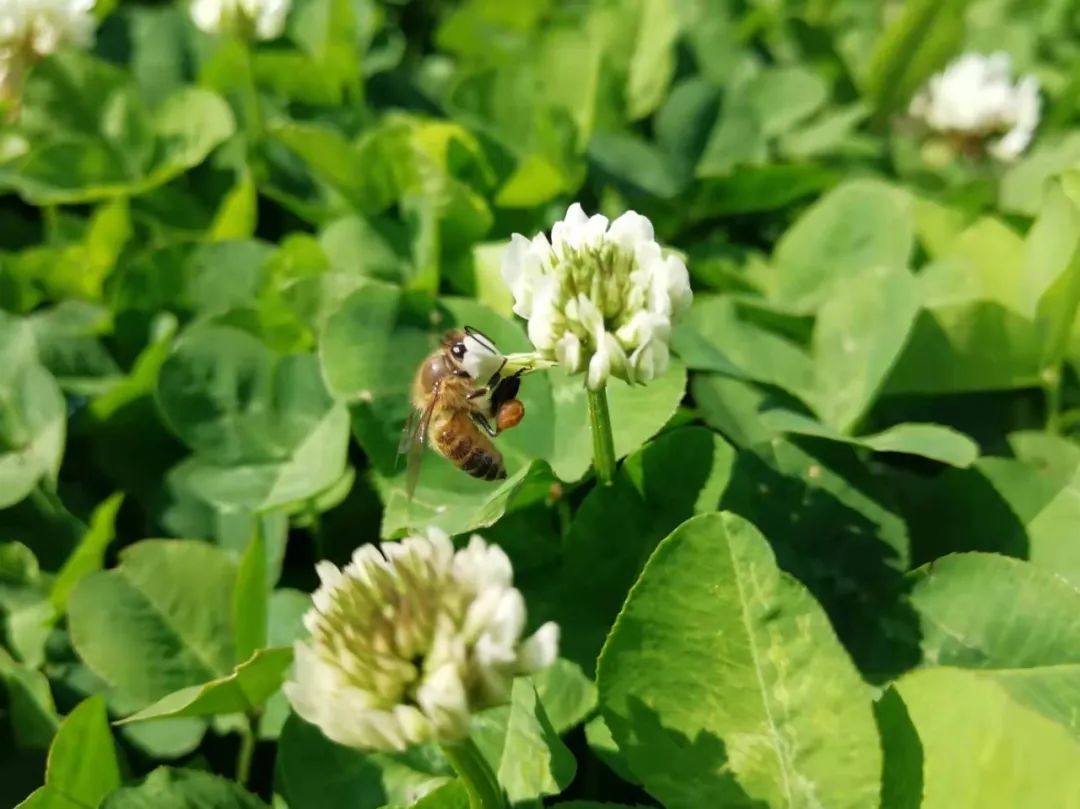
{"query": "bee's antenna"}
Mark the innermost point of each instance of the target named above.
(475, 333)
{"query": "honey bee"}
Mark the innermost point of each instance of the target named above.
(463, 394)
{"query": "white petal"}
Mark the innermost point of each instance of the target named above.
(480, 362)
(520, 268)
(599, 368)
(564, 233)
(568, 352)
(508, 621)
(630, 229)
(442, 699)
(678, 285)
(586, 314)
(540, 650)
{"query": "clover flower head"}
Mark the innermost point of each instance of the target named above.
(976, 97)
(600, 297)
(32, 29)
(258, 19)
(407, 642)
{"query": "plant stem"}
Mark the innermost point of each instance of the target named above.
(253, 112)
(1051, 384)
(475, 774)
(246, 751)
(602, 441)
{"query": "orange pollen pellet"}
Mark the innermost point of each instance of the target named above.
(510, 414)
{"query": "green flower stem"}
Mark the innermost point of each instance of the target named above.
(602, 441)
(473, 770)
(246, 752)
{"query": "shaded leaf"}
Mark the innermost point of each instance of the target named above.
(735, 690)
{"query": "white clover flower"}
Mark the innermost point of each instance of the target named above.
(35, 28)
(260, 19)
(599, 298)
(32, 29)
(975, 97)
(406, 644)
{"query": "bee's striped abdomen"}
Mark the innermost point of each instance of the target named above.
(480, 463)
(461, 442)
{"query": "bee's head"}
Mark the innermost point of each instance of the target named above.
(472, 351)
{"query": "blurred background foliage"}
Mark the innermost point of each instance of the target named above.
(219, 268)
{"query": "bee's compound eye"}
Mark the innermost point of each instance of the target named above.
(458, 350)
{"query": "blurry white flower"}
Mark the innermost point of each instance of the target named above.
(599, 298)
(975, 97)
(407, 643)
(35, 28)
(32, 29)
(259, 19)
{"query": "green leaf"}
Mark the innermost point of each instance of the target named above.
(534, 761)
(857, 337)
(264, 427)
(567, 694)
(1023, 506)
(1015, 624)
(69, 345)
(244, 691)
(736, 690)
(754, 189)
(230, 398)
(637, 413)
(108, 145)
(82, 767)
(313, 772)
(160, 621)
(857, 226)
(733, 408)
(1023, 185)
(447, 498)
(932, 441)
(534, 182)
(980, 749)
(1052, 268)
(315, 465)
(784, 96)
(976, 330)
(834, 524)
(166, 788)
(89, 554)
(635, 163)
(598, 736)
(188, 279)
(30, 704)
(237, 215)
(924, 34)
(451, 795)
(677, 475)
(33, 422)
(250, 600)
(652, 61)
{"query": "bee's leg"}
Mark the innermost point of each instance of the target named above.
(484, 424)
(491, 384)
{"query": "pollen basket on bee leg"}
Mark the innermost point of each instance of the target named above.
(510, 414)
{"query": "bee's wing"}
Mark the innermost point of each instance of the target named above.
(414, 440)
(406, 436)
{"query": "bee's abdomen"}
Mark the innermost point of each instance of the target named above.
(484, 464)
(471, 452)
